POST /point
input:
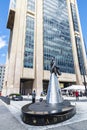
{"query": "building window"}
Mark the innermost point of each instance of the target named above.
(80, 56)
(56, 35)
(31, 5)
(74, 18)
(29, 42)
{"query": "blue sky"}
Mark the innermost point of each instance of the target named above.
(82, 7)
(4, 32)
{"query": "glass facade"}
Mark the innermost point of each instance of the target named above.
(31, 5)
(74, 18)
(77, 39)
(29, 43)
(80, 56)
(56, 35)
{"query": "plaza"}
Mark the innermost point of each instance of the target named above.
(11, 114)
(39, 31)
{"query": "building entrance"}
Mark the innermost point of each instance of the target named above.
(45, 86)
(26, 86)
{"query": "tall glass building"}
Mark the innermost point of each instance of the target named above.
(40, 30)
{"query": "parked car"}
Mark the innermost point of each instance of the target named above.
(43, 93)
(16, 97)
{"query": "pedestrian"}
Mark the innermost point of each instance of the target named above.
(77, 95)
(67, 93)
(28, 95)
(33, 96)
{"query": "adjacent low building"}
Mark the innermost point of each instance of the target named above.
(2, 73)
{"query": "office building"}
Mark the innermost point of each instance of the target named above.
(40, 30)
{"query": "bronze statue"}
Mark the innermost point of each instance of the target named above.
(54, 68)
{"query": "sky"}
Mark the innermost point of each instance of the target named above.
(4, 32)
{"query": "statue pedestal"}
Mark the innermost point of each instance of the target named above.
(54, 91)
(51, 111)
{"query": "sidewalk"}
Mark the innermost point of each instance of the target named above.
(13, 117)
(7, 120)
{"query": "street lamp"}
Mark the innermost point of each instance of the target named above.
(85, 82)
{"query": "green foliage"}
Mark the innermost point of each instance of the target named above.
(16, 94)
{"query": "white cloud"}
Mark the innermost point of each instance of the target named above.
(2, 42)
(3, 55)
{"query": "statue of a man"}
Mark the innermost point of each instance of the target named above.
(54, 68)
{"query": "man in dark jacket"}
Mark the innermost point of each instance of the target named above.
(33, 96)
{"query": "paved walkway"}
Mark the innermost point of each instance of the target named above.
(7, 120)
(11, 115)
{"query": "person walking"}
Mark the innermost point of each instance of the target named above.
(33, 96)
(77, 95)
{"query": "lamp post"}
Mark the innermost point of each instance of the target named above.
(85, 83)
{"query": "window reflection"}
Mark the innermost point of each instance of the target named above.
(74, 17)
(29, 42)
(31, 5)
(80, 56)
(57, 41)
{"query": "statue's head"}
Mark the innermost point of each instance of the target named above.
(53, 58)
